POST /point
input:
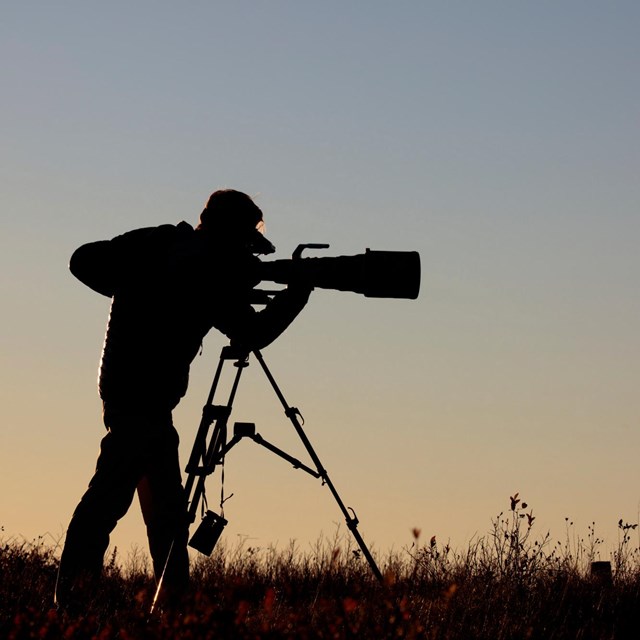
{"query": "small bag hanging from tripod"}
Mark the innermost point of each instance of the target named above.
(208, 532)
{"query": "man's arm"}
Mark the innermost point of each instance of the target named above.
(92, 264)
(253, 330)
(104, 265)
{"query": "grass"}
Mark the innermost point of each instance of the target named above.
(505, 585)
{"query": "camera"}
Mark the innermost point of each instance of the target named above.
(374, 274)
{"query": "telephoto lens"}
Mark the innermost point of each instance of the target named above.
(374, 274)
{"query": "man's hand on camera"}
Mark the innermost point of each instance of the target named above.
(300, 289)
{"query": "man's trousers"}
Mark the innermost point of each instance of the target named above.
(139, 452)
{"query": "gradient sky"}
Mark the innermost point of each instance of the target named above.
(498, 139)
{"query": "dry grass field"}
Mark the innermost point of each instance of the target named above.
(509, 584)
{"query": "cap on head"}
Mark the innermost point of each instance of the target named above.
(230, 210)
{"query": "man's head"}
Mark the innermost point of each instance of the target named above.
(230, 210)
(234, 217)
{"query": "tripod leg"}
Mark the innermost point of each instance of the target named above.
(204, 457)
(292, 413)
(209, 455)
(200, 443)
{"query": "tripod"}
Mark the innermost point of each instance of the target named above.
(211, 446)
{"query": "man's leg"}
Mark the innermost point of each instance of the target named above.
(107, 499)
(164, 509)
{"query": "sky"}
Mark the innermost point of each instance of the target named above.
(498, 139)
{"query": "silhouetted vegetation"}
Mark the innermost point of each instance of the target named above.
(504, 585)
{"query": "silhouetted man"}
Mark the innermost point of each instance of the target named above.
(169, 285)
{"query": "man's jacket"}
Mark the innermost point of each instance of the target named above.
(169, 285)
